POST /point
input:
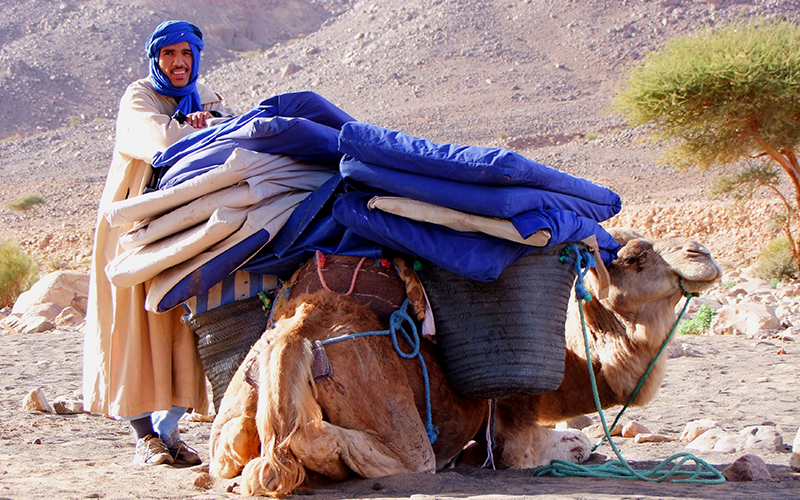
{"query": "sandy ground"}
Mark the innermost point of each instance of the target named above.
(737, 381)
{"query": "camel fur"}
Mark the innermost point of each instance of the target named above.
(368, 418)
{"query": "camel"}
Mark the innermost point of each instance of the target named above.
(368, 418)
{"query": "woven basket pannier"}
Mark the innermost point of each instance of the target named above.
(506, 337)
(224, 337)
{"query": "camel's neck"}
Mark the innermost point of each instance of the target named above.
(621, 349)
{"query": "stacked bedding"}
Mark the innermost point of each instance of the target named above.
(261, 192)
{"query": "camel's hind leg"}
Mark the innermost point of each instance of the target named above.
(335, 451)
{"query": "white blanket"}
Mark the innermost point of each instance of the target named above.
(242, 165)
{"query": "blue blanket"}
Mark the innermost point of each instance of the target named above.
(303, 125)
(493, 182)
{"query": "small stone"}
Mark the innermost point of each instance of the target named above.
(69, 317)
(290, 69)
(579, 422)
(728, 443)
(596, 431)
(632, 428)
(794, 462)
(37, 441)
(67, 406)
(198, 417)
(652, 438)
(575, 423)
(203, 481)
(36, 401)
(695, 428)
(747, 468)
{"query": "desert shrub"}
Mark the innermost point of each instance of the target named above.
(776, 262)
(25, 203)
(699, 323)
(17, 273)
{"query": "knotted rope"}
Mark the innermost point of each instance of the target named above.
(397, 321)
(621, 469)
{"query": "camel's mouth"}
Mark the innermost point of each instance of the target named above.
(692, 262)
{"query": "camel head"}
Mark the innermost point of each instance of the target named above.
(647, 272)
(635, 310)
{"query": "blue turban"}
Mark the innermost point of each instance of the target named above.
(170, 33)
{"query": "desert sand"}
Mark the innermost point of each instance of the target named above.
(736, 381)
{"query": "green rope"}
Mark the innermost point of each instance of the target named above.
(704, 473)
(649, 367)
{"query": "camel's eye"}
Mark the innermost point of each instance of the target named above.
(634, 254)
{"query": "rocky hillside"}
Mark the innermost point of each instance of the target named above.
(67, 62)
(531, 75)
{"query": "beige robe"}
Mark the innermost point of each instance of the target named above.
(136, 361)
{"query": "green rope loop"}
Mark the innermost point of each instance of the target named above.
(704, 473)
(652, 362)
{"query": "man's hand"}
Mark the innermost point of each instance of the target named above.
(198, 118)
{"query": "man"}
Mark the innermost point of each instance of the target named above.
(138, 366)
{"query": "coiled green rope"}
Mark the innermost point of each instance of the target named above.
(704, 473)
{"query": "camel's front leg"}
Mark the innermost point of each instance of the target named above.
(525, 444)
(334, 451)
(538, 446)
(236, 445)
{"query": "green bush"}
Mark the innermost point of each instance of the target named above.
(26, 202)
(17, 273)
(700, 322)
(776, 262)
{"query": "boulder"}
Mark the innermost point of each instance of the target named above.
(64, 288)
(744, 319)
(754, 286)
(41, 308)
(28, 323)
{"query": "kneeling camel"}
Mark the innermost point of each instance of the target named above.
(368, 417)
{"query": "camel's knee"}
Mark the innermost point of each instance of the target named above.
(318, 447)
(238, 443)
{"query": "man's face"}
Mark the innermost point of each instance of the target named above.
(175, 61)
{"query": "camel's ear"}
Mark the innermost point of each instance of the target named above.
(597, 280)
